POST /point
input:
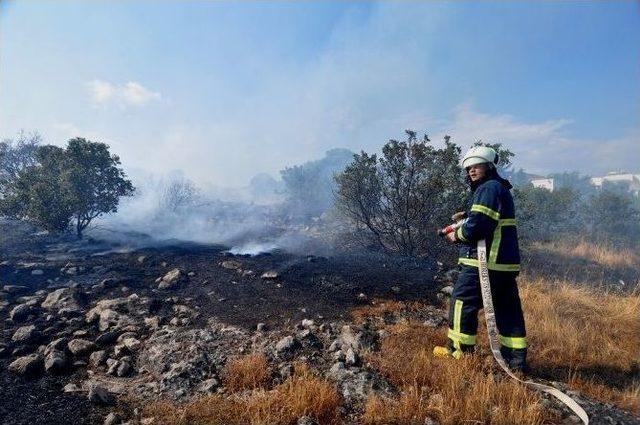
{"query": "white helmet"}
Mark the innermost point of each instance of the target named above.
(479, 155)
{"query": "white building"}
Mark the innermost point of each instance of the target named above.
(543, 183)
(632, 180)
(629, 179)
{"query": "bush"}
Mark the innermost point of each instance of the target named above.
(613, 215)
(542, 215)
(76, 184)
(398, 201)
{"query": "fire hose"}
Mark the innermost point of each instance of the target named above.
(492, 329)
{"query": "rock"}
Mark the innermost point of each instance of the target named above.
(107, 338)
(141, 259)
(115, 312)
(37, 272)
(362, 297)
(20, 312)
(63, 298)
(336, 368)
(132, 344)
(261, 327)
(307, 323)
(270, 275)
(365, 339)
(55, 361)
(335, 345)
(171, 279)
(231, 265)
(152, 323)
(15, 289)
(26, 334)
(286, 370)
(109, 283)
(447, 290)
(306, 420)
(351, 357)
(59, 344)
(71, 388)
(112, 419)
(208, 386)
(124, 368)
(81, 347)
(112, 366)
(452, 275)
(97, 358)
(182, 358)
(99, 395)
(27, 365)
(287, 345)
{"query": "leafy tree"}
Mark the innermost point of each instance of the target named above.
(67, 186)
(543, 214)
(16, 155)
(399, 199)
(613, 216)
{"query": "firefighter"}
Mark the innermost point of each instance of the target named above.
(491, 217)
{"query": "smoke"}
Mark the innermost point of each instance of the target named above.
(268, 214)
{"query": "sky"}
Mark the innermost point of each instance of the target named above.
(222, 91)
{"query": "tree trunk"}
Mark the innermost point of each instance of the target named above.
(78, 229)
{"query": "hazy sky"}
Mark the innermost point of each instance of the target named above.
(224, 90)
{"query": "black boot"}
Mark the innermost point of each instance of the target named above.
(516, 359)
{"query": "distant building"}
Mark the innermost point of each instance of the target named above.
(632, 180)
(543, 183)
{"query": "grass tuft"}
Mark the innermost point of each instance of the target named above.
(302, 394)
(247, 373)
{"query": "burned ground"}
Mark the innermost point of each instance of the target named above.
(214, 283)
(175, 313)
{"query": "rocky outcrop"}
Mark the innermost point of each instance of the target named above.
(27, 365)
(63, 298)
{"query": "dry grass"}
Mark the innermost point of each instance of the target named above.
(302, 394)
(247, 373)
(584, 337)
(382, 308)
(588, 338)
(446, 390)
(602, 254)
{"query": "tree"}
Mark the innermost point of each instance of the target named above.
(16, 155)
(179, 193)
(401, 198)
(67, 186)
(543, 215)
(613, 215)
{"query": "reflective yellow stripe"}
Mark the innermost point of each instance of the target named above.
(513, 341)
(495, 244)
(507, 221)
(486, 211)
(460, 338)
(497, 267)
(459, 234)
(454, 334)
(457, 315)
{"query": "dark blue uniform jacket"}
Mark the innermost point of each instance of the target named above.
(491, 217)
